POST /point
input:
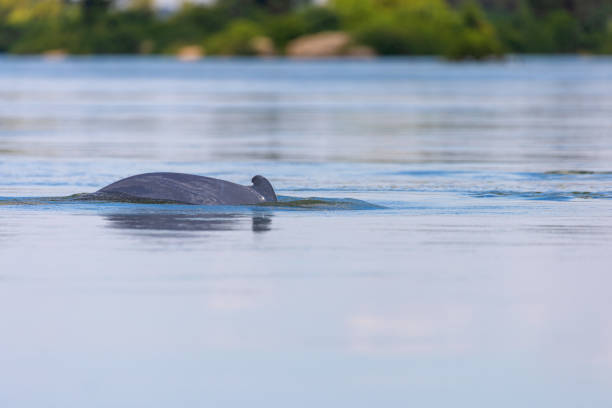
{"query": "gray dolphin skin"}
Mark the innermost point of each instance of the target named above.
(188, 189)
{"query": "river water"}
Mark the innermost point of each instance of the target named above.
(474, 271)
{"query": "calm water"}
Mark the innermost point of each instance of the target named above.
(475, 273)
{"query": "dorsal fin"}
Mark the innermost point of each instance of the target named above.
(263, 187)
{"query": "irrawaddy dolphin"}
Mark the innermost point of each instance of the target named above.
(187, 189)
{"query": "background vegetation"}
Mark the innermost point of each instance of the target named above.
(456, 29)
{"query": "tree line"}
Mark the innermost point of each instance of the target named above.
(455, 28)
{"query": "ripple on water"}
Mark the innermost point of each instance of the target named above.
(543, 195)
(320, 203)
(578, 172)
(283, 203)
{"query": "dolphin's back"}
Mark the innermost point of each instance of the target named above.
(183, 188)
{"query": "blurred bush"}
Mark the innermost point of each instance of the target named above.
(236, 39)
(420, 27)
(454, 28)
(474, 36)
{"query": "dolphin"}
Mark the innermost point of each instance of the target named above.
(187, 189)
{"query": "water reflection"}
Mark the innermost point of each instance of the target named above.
(188, 222)
(261, 223)
(486, 271)
(552, 112)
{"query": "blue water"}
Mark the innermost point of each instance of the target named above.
(458, 253)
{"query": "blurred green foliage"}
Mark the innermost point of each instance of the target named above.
(456, 29)
(235, 39)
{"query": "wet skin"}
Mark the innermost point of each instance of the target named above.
(188, 189)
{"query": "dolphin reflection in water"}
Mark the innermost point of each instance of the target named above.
(187, 189)
(182, 222)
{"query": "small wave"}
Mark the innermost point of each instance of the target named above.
(544, 195)
(75, 198)
(284, 202)
(20, 201)
(320, 203)
(430, 173)
(577, 172)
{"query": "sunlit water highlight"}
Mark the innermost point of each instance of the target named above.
(443, 236)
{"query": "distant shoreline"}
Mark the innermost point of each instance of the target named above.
(301, 28)
(340, 58)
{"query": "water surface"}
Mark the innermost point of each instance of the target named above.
(473, 271)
